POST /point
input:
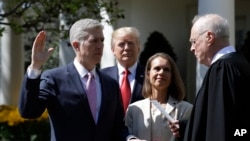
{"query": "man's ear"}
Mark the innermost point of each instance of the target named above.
(112, 49)
(75, 45)
(210, 37)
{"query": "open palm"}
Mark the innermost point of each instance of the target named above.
(39, 53)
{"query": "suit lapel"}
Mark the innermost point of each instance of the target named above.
(103, 97)
(139, 78)
(114, 73)
(73, 77)
(171, 105)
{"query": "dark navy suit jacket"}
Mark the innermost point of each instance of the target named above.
(139, 78)
(60, 90)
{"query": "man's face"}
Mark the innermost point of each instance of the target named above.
(126, 49)
(91, 49)
(199, 45)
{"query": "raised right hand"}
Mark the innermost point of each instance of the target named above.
(39, 53)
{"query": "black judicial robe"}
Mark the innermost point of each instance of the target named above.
(222, 107)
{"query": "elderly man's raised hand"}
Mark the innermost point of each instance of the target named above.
(39, 53)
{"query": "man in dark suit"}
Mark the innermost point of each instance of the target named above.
(219, 112)
(125, 45)
(63, 91)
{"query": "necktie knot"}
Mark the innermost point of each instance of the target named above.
(90, 77)
(126, 72)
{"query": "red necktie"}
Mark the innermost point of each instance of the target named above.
(91, 93)
(125, 90)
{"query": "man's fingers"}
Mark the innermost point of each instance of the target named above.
(50, 51)
(40, 40)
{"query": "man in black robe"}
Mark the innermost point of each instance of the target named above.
(221, 109)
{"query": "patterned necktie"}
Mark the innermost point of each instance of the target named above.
(91, 94)
(125, 90)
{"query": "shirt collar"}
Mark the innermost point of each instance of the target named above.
(132, 69)
(222, 52)
(82, 70)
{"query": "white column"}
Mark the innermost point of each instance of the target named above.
(224, 8)
(12, 66)
(108, 58)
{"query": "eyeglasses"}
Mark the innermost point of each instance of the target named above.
(193, 41)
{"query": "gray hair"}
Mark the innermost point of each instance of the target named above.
(214, 23)
(79, 30)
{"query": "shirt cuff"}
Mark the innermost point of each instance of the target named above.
(33, 73)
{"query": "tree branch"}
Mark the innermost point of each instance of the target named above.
(12, 11)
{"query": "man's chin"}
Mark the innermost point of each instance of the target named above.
(125, 58)
(98, 57)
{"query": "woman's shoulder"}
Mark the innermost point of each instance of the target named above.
(141, 102)
(184, 103)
